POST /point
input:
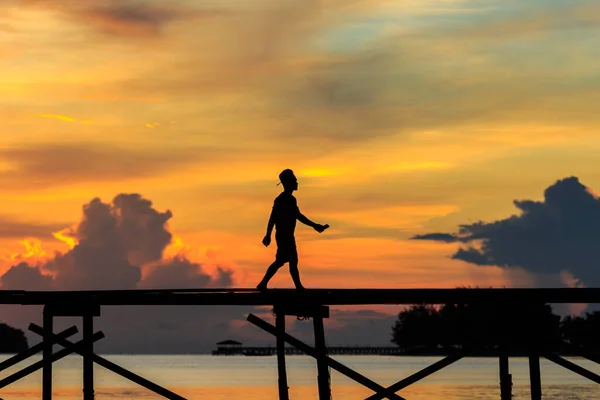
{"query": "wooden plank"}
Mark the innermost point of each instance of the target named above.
(73, 309)
(535, 377)
(282, 381)
(322, 371)
(245, 296)
(302, 310)
(47, 331)
(505, 376)
(573, 367)
(88, 360)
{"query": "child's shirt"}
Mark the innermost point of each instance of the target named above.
(285, 212)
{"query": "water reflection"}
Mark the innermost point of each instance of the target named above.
(208, 377)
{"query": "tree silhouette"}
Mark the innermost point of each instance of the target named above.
(12, 340)
(417, 326)
(582, 331)
(478, 326)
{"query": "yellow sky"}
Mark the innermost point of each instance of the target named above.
(399, 118)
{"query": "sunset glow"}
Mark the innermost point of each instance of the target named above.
(151, 136)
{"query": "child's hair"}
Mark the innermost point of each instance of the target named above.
(286, 176)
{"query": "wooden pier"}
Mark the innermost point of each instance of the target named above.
(331, 350)
(307, 304)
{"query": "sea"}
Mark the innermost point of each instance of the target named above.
(209, 377)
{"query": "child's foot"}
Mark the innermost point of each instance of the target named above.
(261, 286)
(300, 287)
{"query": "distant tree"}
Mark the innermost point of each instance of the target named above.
(12, 340)
(417, 326)
(582, 331)
(480, 326)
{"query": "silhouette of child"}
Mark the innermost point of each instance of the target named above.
(283, 216)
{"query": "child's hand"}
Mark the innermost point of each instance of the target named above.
(320, 228)
(267, 240)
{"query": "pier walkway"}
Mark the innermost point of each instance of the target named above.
(310, 304)
(253, 297)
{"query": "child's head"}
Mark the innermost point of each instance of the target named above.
(288, 179)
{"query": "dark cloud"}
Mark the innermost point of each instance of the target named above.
(441, 237)
(182, 273)
(114, 240)
(123, 18)
(558, 235)
(142, 229)
(100, 259)
(22, 275)
(51, 165)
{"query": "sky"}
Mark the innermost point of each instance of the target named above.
(446, 142)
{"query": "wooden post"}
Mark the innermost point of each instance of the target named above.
(534, 376)
(47, 353)
(505, 376)
(283, 387)
(323, 372)
(88, 361)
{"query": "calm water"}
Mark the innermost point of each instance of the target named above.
(253, 378)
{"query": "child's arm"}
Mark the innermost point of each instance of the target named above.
(317, 227)
(305, 220)
(267, 239)
(271, 223)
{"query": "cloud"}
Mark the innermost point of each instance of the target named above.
(17, 275)
(551, 239)
(182, 273)
(59, 117)
(442, 237)
(112, 242)
(51, 164)
(520, 19)
(142, 229)
(100, 259)
(123, 18)
(11, 228)
(396, 81)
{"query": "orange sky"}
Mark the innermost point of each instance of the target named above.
(398, 117)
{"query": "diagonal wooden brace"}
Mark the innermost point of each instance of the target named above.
(72, 348)
(341, 368)
(17, 358)
(572, 367)
(113, 367)
(580, 351)
(417, 376)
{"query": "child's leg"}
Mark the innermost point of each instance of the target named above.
(295, 273)
(270, 273)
